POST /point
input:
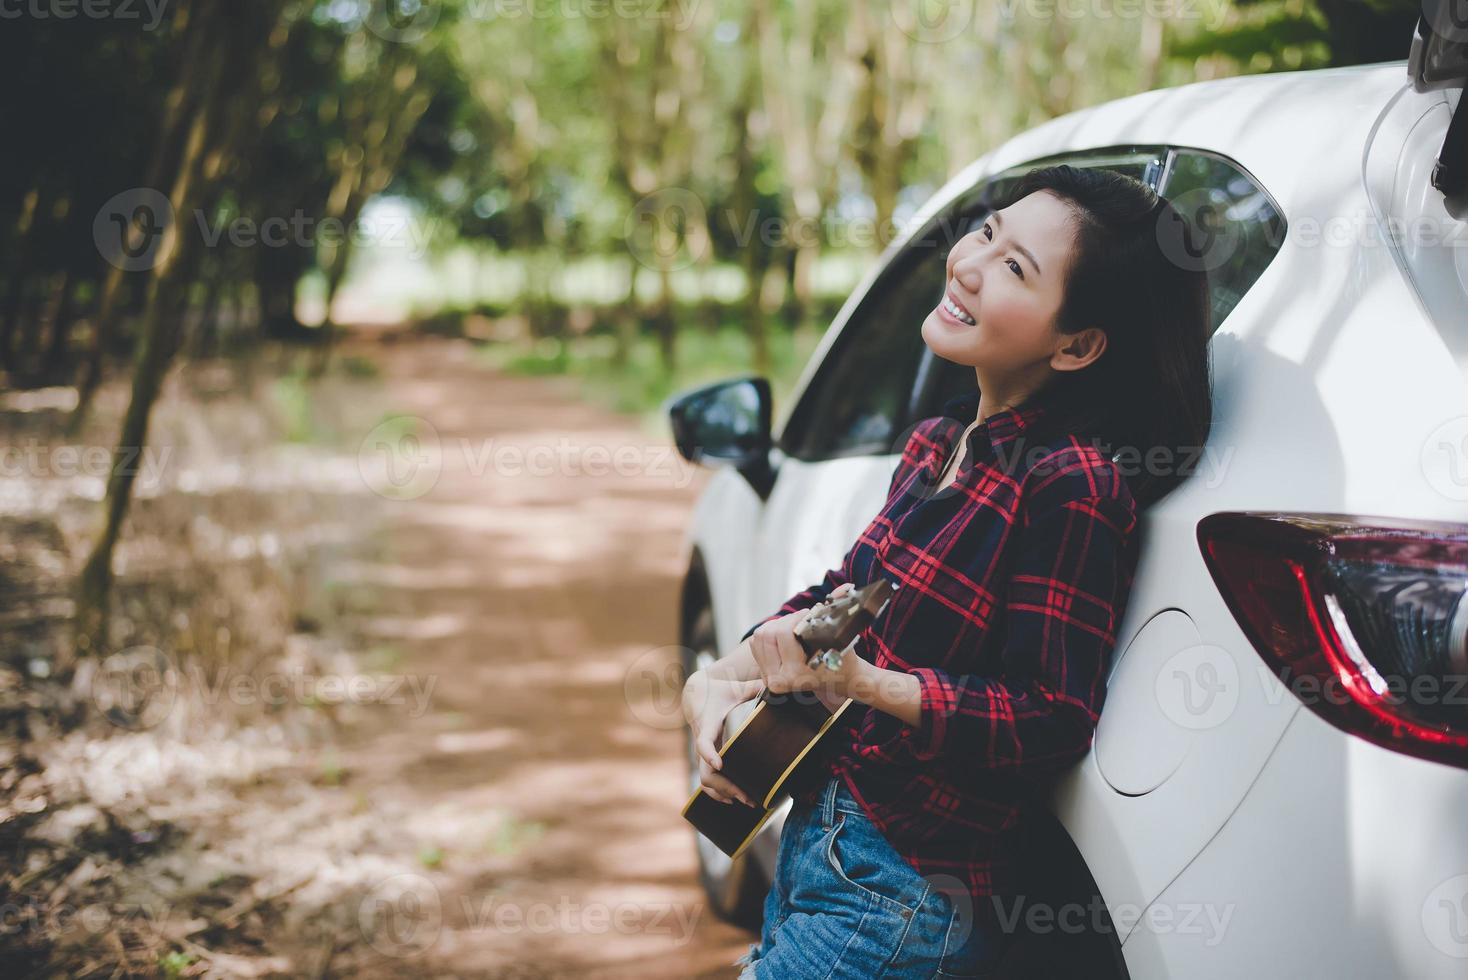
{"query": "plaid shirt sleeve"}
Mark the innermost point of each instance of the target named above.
(1070, 573)
(917, 445)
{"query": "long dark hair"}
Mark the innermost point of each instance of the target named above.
(1151, 388)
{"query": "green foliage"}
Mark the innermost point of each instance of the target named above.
(173, 964)
(1271, 35)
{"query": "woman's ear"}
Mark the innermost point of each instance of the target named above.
(1076, 350)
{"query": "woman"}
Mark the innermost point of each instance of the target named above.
(1010, 531)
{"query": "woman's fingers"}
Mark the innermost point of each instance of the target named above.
(767, 654)
(792, 659)
(721, 788)
(707, 753)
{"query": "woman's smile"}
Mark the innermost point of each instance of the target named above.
(955, 311)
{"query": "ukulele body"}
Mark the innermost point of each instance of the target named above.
(784, 745)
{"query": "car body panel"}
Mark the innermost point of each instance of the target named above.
(1385, 893)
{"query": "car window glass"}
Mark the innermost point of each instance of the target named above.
(1242, 228)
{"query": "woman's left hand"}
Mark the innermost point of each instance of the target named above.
(782, 661)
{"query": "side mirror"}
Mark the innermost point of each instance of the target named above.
(727, 424)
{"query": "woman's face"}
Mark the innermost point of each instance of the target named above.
(1007, 278)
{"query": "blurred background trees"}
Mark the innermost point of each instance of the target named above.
(644, 192)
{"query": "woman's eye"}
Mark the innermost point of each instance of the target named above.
(1013, 265)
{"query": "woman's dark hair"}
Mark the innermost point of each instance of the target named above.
(1151, 389)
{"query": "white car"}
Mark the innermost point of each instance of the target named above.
(1279, 783)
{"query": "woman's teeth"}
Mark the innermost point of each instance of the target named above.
(957, 311)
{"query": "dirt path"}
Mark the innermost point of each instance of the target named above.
(533, 584)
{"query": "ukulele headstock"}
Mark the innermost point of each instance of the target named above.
(834, 623)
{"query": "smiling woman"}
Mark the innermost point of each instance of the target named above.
(1010, 533)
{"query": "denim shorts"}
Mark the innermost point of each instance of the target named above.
(844, 903)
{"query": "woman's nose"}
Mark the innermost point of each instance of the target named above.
(968, 272)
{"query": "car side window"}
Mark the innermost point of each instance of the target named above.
(1242, 227)
(856, 404)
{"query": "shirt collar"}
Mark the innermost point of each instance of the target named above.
(997, 431)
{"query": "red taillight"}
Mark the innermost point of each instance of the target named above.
(1365, 621)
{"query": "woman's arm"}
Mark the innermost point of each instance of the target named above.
(738, 666)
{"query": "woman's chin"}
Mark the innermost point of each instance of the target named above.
(943, 340)
(950, 342)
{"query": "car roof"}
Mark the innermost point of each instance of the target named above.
(1294, 131)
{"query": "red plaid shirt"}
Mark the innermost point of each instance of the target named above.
(1011, 585)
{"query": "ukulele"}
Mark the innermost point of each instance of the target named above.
(782, 745)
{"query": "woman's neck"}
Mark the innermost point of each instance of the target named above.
(996, 398)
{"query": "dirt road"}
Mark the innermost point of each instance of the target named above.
(530, 574)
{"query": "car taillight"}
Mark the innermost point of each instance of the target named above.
(1365, 621)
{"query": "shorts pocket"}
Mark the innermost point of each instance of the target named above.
(862, 859)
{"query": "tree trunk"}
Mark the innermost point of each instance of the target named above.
(157, 339)
(106, 320)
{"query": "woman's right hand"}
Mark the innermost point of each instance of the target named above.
(707, 702)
